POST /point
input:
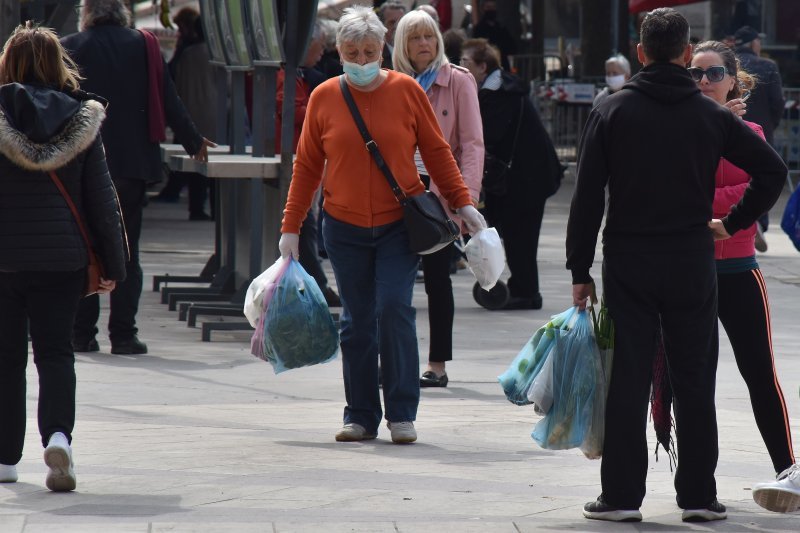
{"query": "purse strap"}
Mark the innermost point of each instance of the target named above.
(371, 145)
(72, 208)
(516, 133)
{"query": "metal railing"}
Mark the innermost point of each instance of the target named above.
(787, 134)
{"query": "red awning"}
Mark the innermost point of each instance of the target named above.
(635, 6)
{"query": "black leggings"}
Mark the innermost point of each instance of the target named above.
(744, 313)
(439, 288)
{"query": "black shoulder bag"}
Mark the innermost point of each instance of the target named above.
(429, 227)
(495, 170)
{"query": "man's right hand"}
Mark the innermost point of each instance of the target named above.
(581, 292)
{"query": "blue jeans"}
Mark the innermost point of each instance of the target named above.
(375, 272)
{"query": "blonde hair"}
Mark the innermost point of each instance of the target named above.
(412, 23)
(34, 55)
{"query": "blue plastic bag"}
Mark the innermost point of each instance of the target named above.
(576, 367)
(790, 223)
(298, 327)
(519, 376)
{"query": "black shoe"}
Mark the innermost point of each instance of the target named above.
(85, 346)
(331, 298)
(200, 216)
(713, 511)
(132, 346)
(516, 302)
(430, 379)
(600, 510)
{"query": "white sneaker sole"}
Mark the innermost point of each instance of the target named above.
(404, 439)
(618, 515)
(702, 515)
(61, 477)
(777, 500)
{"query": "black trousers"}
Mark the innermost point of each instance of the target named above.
(124, 299)
(439, 288)
(744, 313)
(518, 220)
(677, 292)
(309, 252)
(47, 301)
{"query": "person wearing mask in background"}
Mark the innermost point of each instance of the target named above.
(365, 237)
(742, 290)
(47, 125)
(308, 78)
(452, 91)
(618, 71)
(489, 28)
(112, 59)
(513, 132)
(390, 14)
(765, 105)
(655, 147)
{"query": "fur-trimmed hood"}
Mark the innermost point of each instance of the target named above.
(44, 129)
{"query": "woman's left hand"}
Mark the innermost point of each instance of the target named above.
(718, 230)
(737, 106)
(472, 218)
(106, 286)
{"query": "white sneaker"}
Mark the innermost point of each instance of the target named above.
(58, 457)
(760, 240)
(8, 473)
(352, 432)
(781, 495)
(402, 432)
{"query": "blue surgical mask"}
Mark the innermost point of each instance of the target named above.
(361, 74)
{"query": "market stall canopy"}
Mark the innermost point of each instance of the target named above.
(636, 6)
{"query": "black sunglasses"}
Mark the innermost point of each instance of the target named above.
(714, 74)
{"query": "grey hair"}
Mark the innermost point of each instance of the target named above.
(622, 61)
(390, 4)
(329, 29)
(411, 24)
(104, 12)
(358, 23)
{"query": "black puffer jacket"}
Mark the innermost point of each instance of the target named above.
(42, 129)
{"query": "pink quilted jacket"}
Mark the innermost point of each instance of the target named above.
(731, 182)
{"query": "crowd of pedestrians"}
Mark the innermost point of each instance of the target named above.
(678, 247)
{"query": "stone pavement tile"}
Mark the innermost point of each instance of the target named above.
(206, 527)
(336, 527)
(11, 523)
(473, 526)
(64, 527)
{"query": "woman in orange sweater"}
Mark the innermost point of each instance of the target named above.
(365, 237)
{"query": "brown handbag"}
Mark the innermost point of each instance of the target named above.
(94, 271)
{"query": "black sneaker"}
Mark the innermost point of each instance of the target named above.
(85, 346)
(714, 511)
(132, 346)
(600, 510)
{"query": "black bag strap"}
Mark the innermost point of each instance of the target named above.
(371, 145)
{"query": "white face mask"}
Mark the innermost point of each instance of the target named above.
(615, 82)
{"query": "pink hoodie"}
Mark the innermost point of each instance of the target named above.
(731, 182)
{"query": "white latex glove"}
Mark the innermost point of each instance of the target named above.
(472, 218)
(290, 245)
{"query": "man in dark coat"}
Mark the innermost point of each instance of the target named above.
(514, 134)
(765, 105)
(655, 145)
(113, 60)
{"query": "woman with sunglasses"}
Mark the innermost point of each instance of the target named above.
(743, 304)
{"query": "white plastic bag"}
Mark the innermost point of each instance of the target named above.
(265, 282)
(541, 391)
(486, 257)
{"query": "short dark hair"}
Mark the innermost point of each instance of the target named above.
(391, 4)
(664, 34)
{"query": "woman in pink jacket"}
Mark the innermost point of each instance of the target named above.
(743, 304)
(453, 93)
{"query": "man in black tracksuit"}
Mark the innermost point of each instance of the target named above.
(656, 144)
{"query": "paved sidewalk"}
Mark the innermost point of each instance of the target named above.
(204, 437)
